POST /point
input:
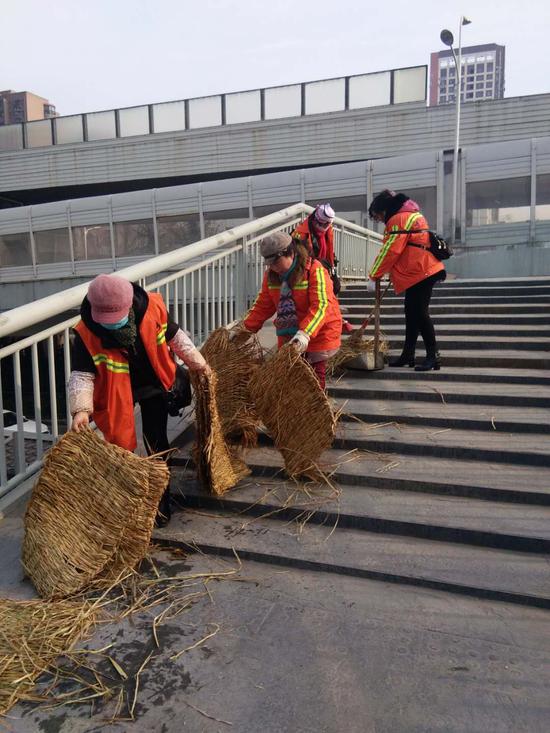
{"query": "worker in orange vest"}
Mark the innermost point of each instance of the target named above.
(297, 289)
(123, 353)
(316, 233)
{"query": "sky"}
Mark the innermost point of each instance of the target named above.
(88, 56)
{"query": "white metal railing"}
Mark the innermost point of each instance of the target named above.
(205, 285)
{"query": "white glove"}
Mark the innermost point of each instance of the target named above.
(300, 341)
(238, 330)
(371, 286)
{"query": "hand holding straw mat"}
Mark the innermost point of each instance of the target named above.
(91, 513)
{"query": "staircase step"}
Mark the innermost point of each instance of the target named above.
(470, 342)
(450, 300)
(485, 573)
(524, 395)
(475, 319)
(417, 474)
(528, 449)
(479, 375)
(494, 308)
(397, 330)
(466, 417)
(439, 518)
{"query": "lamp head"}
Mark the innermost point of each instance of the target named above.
(447, 37)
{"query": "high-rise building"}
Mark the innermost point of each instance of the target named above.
(23, 107)
(482, 74)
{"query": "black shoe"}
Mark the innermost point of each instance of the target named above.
(430, 362)
(403, 360)
(164, 513)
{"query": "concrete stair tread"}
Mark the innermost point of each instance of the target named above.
(459, 338)
(459, 328)
(424, 474)
(354, 434)
(356, 552)
(376, 381)
(360, 502)
(460, 374)
(414, 473)
(493, 416)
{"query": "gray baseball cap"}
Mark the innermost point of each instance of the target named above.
(274, 245)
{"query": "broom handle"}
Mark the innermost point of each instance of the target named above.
(379, 297)
(376, 321)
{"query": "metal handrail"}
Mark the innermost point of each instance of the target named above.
(209, 284)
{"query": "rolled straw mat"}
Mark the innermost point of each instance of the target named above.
(234, 363)
(91, 513)
(32, 635)
(295, 410)
(218, 468)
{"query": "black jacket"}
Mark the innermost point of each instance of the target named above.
(145, 382)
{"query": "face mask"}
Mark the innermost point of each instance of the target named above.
(115, 326)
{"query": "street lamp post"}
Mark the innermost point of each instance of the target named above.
(448, 39)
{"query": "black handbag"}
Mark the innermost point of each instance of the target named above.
(179, 394)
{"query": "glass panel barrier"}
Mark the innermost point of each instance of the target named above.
(369, 90)
(409, 85)
(169, 116)
(134, 121)
(177, 231)
(52, 245)
(242, 107)
(542, 210)
(11, 137)
(283, 102)
(205, 112)
(101, 125)
(69, 129)
(325, 96)
(498, 202)
(218, 221)
(39, 133)
(15, 249)
(134, 238)
(92, 242)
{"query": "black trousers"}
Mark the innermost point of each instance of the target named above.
(417, 315)
(154, 418)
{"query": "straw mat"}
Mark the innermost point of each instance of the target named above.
(234, 363)
(218, 468)
(91, 513)
(295, 410)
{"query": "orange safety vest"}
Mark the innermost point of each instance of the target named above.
(317, 309)
(113, 401)
(302, 234)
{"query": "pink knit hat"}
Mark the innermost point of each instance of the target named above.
(324, 213)
(111, 298)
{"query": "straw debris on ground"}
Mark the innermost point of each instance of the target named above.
(91, 513)
(40, 658)
(218, 467)
(234, 363)
(32, 635)
(295, 411)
